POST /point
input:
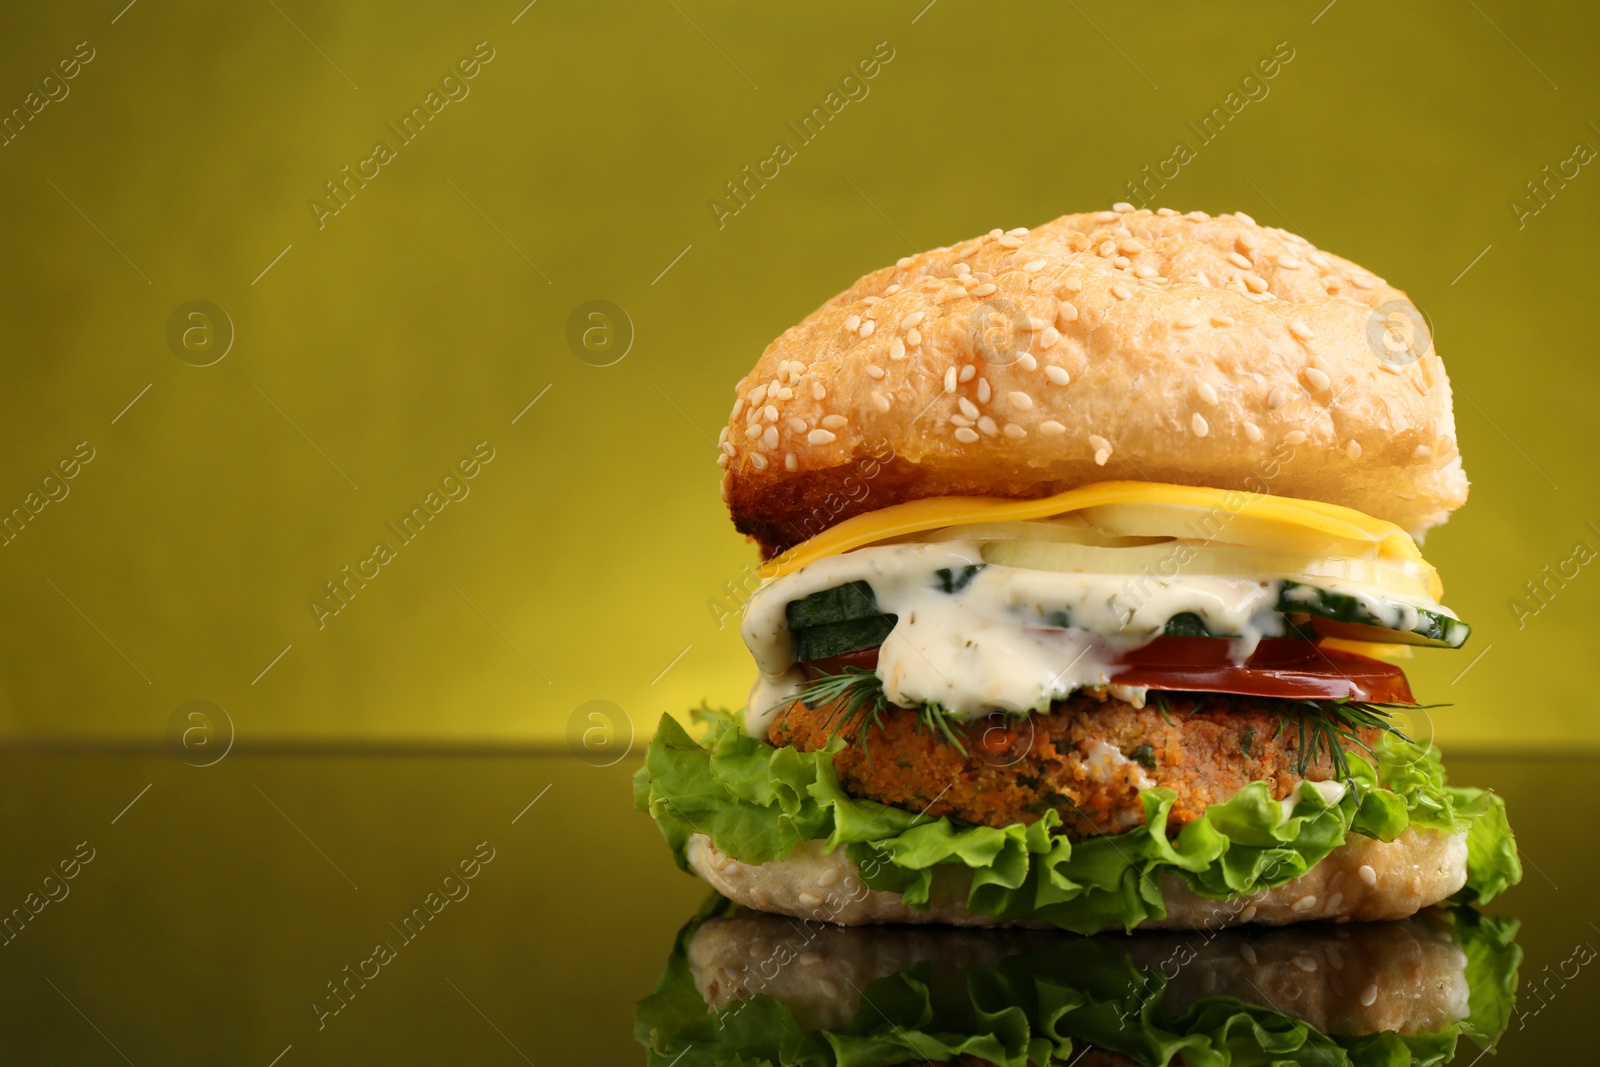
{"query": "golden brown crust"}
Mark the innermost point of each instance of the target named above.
(1111, 345)
(1087, 758)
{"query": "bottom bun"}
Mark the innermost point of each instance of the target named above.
(1363, 880)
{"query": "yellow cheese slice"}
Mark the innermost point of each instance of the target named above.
(932, 513)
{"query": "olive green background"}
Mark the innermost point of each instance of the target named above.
(373, 353)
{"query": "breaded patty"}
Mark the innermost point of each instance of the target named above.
(1087, 758)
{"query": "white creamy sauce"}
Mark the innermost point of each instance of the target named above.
(1331, 792)
(1105, 762)
(1011, 639)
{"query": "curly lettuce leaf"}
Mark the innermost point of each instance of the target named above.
(1038, 1007)
(757, 803)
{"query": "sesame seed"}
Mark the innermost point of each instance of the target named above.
(986, 289)
(1252, 431)
(996, 232)
(738, 406)
(1188, 322)
(1121, 292)
(1020, 400)
(1019, 231)
(1027, 362)
(1247, 914)
(1122, 205)
(1317, 378)
(1255, 283)
(1222, 320)
(1369, 995)
(1207, 391)
(1247, 952)
(1238, 261)
(1121, 262)
(968, 372)
(1165, 212)
(960, 268)
(1098, 443)
(912, 319)
(758, 461)
(897, 349)
(1200, 278)
(818, 390)
(903, 261)
(1305, 963)
(853, 323)
(952, 293)
(769, 413)
(1106, 248)
(1421, 452)
(1305, 903)
(874, 371)
(870, 300)
(1014, 431)
(1009, 242)
(770, 437)
(758, 394)
(1058, 375)
(983, 390)
(797, 425)
(1036, 324)
(1289, 262)
(880, 401)
(1294, 437)
(1242, 217)
(1066, 312)
(790, 462)
(1033, 265)
(1353, 449)
(950, 380)
(913, 338)
(1101, 457)
(1197, 423)
(753, 430)
(1367, 874)
(1052, 428)
(966, 436)
(986, 424)
(722, 438)
(783, 394)
(1145, 273)
(1072, 285)
(819, 437)
(1106, 216)
(722, 461)
(834, 422)
(1301, 330)
(867, 328)
(968, 408)
(893, 289)
(1334, 902)
(1276, 398)
(1049, 337)
(960, 420)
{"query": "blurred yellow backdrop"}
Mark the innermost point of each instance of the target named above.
(398, 218)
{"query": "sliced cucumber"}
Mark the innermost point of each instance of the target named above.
(843, 619)
(1369, 619)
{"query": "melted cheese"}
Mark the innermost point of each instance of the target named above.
(1388, 540)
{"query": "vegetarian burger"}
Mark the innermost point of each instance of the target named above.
(1088, 552)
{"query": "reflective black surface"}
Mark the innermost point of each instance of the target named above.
(218, 904)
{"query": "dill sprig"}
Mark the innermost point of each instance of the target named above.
(860, 694)
(1329, 726)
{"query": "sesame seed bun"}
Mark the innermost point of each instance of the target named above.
(1363, 880)
(1112, 345)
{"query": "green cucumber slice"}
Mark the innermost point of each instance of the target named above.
(834, 621)
(1366, 624)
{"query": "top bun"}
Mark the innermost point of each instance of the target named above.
(1113, 345)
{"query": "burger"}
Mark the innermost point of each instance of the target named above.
(745, 988)
(1091, 567)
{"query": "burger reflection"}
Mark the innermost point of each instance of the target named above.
(748, 988)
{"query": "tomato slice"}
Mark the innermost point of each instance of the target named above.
(1289, 668)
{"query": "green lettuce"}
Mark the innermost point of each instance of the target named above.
(1035, 1007)
(758, 802)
